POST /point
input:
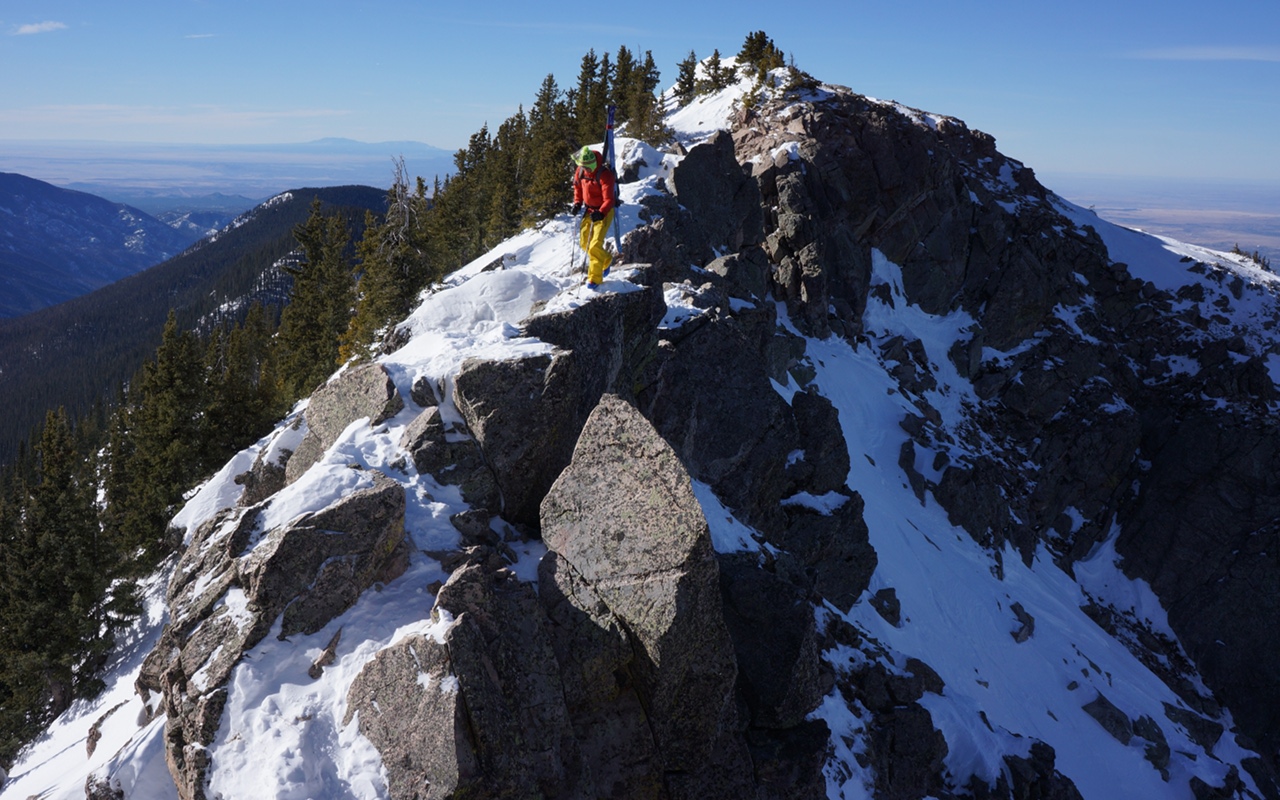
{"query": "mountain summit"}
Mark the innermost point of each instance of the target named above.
(874, 469)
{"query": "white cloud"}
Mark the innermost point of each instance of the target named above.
(200, 35)
(38, 27)
(1210, 53)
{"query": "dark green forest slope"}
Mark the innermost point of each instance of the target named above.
(77, 353)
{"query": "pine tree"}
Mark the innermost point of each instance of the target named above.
(59, 607)
(595, 80)
(687, 79)
(626, 84)
(585, 95)
(761, 54)
(320, 303)
(715, 75)
(243, 399)
(394, 264)
(507, 170)
(644, 116)
(552, 138)
(158, 448)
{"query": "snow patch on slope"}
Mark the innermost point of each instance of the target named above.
(956, 599)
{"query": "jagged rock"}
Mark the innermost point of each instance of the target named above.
(907, 753)
(771, 624)
(612, 338)
(724, 201)
(1202, 534)
(362, 391)
(882, 691)
(834, 548)
(1157, 748)
(223, 601)
(207, 566)
(1113, 720)
(509, 680)
(597, 662)
(526, 414)
(1230, 788)
(907, 463)
(782, 353)
(1026, 624)
(489, 717)
(788, 762)
(1033, 778)
(626, 621)
(641, 542)
(667, 242)
(703, 421)
(887, 605)
(410, 707)
(746, 272)
(309, 575)
(95, 732)
(452, 457)
(263, 479)
(97, 788)
(1204, 732)
(325, 658)
(826, 454)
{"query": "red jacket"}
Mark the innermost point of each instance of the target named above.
(597, 188)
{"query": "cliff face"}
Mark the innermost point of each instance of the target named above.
(822, 497)
(1129, 395)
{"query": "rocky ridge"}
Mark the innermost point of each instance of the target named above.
(646, 654)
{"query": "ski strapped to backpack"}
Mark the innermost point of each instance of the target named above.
(610, 161)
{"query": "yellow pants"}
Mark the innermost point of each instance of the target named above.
(592, 238)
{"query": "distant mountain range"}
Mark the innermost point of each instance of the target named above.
(133, 172)
(78, 352)
(56, 244)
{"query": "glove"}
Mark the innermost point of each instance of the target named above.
(575, 209)
(596, 216)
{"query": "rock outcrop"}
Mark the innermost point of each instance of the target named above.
(619, 677)
(644, 663)
(236, 581)
(1185, 462)
(623, 517)
(364, 391)
(526, 414)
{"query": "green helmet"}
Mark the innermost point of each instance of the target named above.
(585, 158)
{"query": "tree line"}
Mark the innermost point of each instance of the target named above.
(85, 508)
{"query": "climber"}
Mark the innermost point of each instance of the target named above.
(595, 191)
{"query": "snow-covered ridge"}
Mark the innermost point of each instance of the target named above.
(961, 606)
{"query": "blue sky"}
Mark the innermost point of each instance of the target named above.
(1181, 88)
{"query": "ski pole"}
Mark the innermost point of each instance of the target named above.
(611, 158)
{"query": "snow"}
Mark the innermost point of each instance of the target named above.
(55, 766)
(956, 611)
(1240, 296)
(1100, 576)
(680, 308)
(824, 504)
(284, 735)
(728, 535)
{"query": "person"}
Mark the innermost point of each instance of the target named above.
(595, 190)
